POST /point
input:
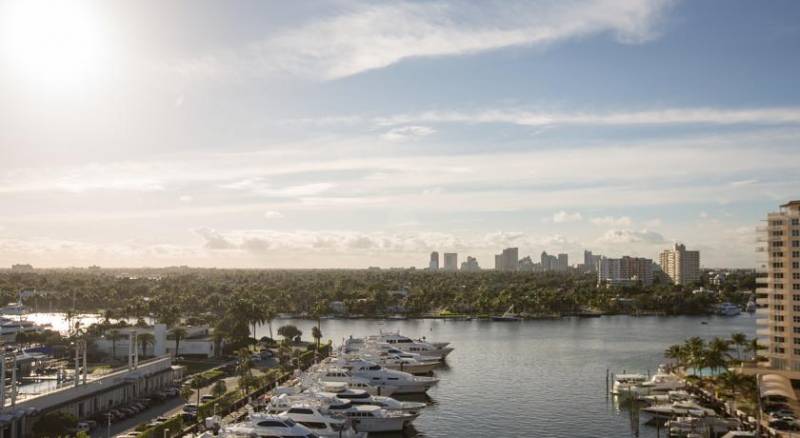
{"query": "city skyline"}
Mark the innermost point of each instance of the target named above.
(353, 134)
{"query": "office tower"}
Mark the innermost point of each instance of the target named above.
(511, 259)
(778, 287)
(680, 265)
(433, 265)
(471, 265)
(450, 261)
(563, 262)
(588, 262)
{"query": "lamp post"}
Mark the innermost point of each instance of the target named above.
(166, 433)
(108, 427)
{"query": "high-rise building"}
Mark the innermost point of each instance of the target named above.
(433, 265)
(511, 259)
(680, 265)
(779, 287)
(625, 271)
(451, 261)
(563, 262)
(471, 265)
(590, 261)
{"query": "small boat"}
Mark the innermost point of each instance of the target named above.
(728, 309)
(508, 316)
(679, 408)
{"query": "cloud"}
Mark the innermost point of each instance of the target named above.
(273, 215)
(622, 221)
(625, 236)
(215, 240)
(565, 217)
(667, 116)
(186, 198)
(365, 36)
(405, 133)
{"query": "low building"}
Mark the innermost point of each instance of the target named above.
(197, 342)
(91, 396)
(624, 271)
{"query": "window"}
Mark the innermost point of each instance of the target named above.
(301, 411)
(796, 275)
(777, 243)
(795, 243)
(796, 308)
(778, 318)
(778, 328)
(795, 221)
(796, 319)
(795, 297)
(777, 265)
(779, 350)
(777, 254)
(778, 275)
(777, 233)
(795, 253)
(796, 286)
(778, 297)
(778, 285)
(795, 233)
(271, 423)
(313, 425)
(778, 339)
(779, 307)
(796, 330)
(776, 223)
(796, 265)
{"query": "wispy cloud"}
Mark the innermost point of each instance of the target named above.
(405, 133)
(565, 217)
(625, 236)
(365, 36)
(622, 221)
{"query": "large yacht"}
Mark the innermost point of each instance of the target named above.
(308, 412)
(397, 360)
(397, 338)
(9, 328)
(661, 382)
(364, 418)
(266, 425)
(321, 375)
(728, 309)
(424, 349)
(405, 383)
(360, 397)
(626, 384)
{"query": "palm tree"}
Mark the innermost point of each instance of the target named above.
(219, 389)
(694, 349)
(114, 336)
(316, 333)
(269, 315)
(146, 339)
(716, 355)
(676, 353)
(739, 340)
(178, 333)
(754, 347)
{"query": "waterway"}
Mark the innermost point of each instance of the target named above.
(536, 378)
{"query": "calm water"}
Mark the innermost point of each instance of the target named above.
(536, 378)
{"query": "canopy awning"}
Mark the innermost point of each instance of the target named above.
(776, 385)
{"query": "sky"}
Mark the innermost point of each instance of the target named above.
(347, 134)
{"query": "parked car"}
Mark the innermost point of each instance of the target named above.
(784, 425)
(190, 408)
(83, 426)
(206, 398)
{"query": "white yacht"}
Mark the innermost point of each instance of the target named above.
(266, 425)
(679, 408)
(660, 382)
(14, 309)
(363, 418)
(360, 397)
(424, 349)
(396, 361)
(309, 413)
(321, 375)
(397, 338)
(406, 383)
(9, 328)
(728, 309)
(625, 384)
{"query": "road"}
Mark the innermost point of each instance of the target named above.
(170, 407)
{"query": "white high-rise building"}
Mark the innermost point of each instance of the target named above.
(680, 265)
(779, 288)
(433, 265)
(451, 261)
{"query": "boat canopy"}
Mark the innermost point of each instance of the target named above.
(776, 385)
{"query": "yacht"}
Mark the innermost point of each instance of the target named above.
(679, 408)
(309, 414)
(508, 316)
(363, 418)
(405, 383)
(661, 382)
(397, 338)
(424, 349)
(728, 309)
(266, 425)
(14, 309)
(361, 397)
(9, 328)
(625, 384)
(319, 375)
(397, 360)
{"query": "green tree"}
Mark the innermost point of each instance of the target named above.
(316, 333)
(289, 332)
(146, 339)
(740, 341)
(177, 333)
(114, 336)
(219, 389)
(53, 424)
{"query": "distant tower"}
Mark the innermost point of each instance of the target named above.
(450, 261)
(434, 263)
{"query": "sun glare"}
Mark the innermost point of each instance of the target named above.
(50, 42)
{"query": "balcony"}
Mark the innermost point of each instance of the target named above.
(763, 321)
(765, 332)
(763, 311)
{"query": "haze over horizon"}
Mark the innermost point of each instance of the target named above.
(345, 134)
